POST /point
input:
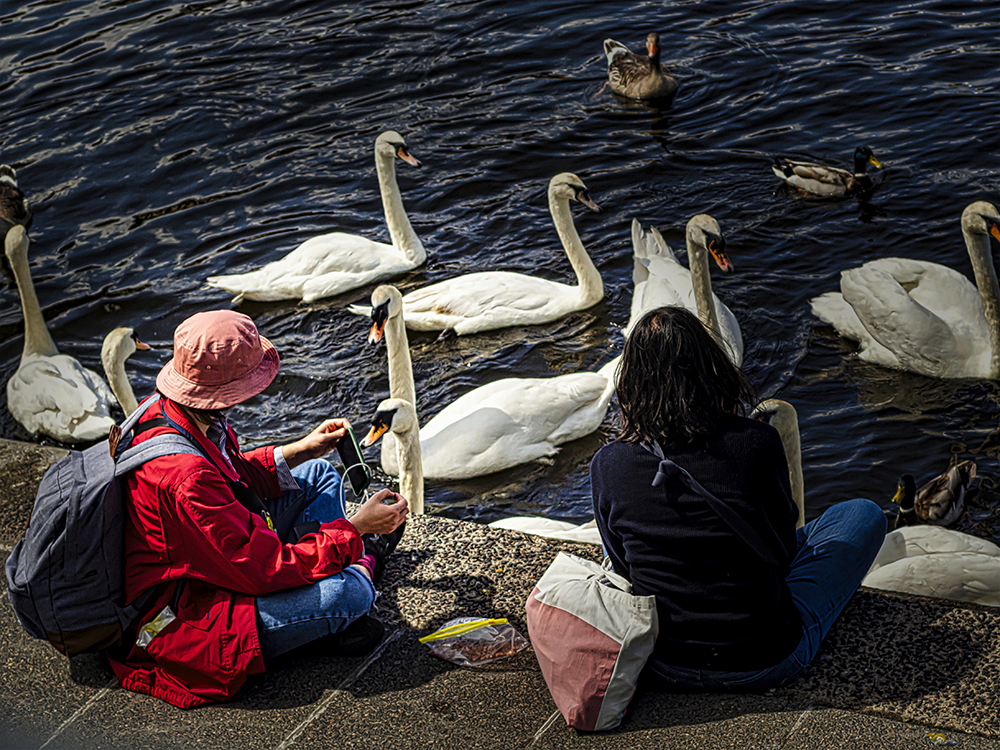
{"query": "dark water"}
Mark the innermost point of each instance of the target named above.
(163, 144)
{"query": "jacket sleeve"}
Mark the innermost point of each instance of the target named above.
(215, 539)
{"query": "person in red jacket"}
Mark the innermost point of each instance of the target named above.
(211, 539)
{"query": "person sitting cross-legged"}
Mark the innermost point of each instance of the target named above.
(251, 553)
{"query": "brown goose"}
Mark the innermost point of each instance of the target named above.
(939, 502)
(14, 208)
(635, 76)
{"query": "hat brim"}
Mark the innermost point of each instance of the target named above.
(178, 388)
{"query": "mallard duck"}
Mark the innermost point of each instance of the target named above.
(829, 181)
(14, 208)
(635, 76)
(939, 502)
(923, 317)
(118, 346)
(487, 300)
(334, 263)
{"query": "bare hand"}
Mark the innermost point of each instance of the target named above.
(375, 517)
(317, 443)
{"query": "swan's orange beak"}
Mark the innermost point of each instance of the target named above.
(403, 153)
(375, 334)
(378, 429)
(141, 345)
(717, 249)
(995, 231)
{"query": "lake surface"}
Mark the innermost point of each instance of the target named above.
(164, 143)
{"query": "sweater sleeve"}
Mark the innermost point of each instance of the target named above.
(614, 546)
(215, 539)
(779, 508)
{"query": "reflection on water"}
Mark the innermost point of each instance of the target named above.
(162, 145)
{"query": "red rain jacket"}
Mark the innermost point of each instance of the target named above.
(184, 522)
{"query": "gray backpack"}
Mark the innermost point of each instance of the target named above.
(65, 579)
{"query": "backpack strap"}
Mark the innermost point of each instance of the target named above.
(669, 470)
(242, 491)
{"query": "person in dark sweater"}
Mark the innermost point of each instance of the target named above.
(743, 604)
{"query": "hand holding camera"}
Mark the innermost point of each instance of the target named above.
(375, 516)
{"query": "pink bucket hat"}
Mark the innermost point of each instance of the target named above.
(219, 360)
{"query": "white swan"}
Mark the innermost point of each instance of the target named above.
(782, 416)
(937, 562)
(497, 299)
(51, 393)
(585, 533)
(119, 345)
(400, 417)
(660, 280)
(498, 425)
(334, 263)
(924, 317)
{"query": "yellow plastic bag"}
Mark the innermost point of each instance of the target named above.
(471, 641)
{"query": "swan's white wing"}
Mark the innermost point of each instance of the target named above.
(961, 576)
(941, 290)
(920, 339)
(479, 301)
(646, 245)
(652, 288)
(587, 533)
(925, 539)
(59, 397)
(321, 266)
(511, 421)
(831, 308)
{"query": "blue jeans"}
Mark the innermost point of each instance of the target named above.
(293, 617)
(834, 554)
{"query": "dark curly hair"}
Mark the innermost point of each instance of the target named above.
(675, 381)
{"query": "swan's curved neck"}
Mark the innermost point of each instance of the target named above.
(785, 420)
(401, 383)
(36, 334)
(989, 292)
(587, 275)
(792, 443)
(118, 380)
(701, 283)
(411, 471)
(401, 231)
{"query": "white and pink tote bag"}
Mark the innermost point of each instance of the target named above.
(591, 637)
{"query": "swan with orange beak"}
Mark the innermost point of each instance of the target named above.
(399, 417)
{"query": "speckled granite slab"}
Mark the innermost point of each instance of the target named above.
(902, 657)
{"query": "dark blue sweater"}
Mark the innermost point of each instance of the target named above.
(720, 606)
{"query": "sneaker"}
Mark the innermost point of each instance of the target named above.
(358, 639)
(380, 546)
